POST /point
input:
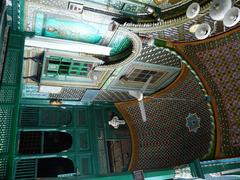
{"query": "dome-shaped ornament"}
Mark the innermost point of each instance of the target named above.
(193, 122)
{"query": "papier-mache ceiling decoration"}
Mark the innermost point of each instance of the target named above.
(164, 140)
(217, 61)
(178, 97)
(179, 27)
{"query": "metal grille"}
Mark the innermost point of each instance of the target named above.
(112, 96)
(69, 94)
(26, 169)
(160, 56)
(6, 115)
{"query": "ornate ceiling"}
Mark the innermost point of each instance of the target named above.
(145, 39)
(127, 27)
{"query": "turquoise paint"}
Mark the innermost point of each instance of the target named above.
(119, 44)
(148, 175)
(56, 27)
(220, 165)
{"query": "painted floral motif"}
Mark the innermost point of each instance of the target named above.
(193, 122)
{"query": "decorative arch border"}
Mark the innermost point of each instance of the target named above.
(137, 48)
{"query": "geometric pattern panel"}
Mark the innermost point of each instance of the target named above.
(66, 93)
(112, 96)
(6, 115)
(69, 93)
(160, 56)
(218, 60)
(74, 93)
(164, 140)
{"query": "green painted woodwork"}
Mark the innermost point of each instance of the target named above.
(88, 126)
(160, 43)
(229, 166)
(163, 174)
(214, 166)
(9, 103)
(57, 27)
(148, 175)
(2, 33)
(196, 169)
(2, 27)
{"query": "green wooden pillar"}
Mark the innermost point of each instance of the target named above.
(196, 169)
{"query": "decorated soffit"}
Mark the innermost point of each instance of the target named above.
(175, 28)
(164, 64)
(216, 60)
(124, 7)
(178, 28)
(87, 27)
(172, 29)
(168, 111)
